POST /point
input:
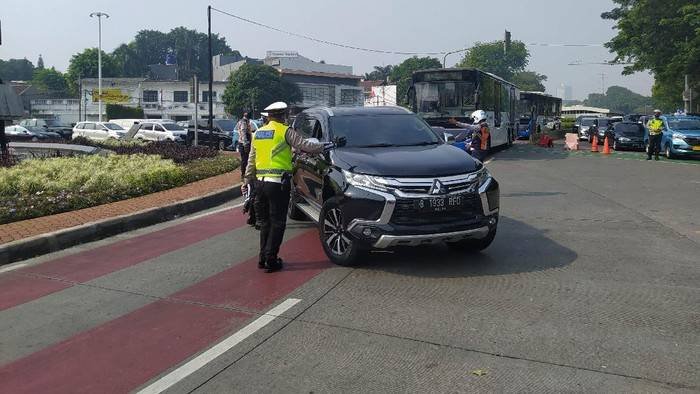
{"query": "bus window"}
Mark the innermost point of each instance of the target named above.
(497, 100)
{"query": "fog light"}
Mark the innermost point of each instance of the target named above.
(367, 232)
(492, 221)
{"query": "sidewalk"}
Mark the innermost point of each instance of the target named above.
(33, 227)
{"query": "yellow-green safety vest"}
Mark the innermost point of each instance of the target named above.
(273, 155)
(656, 126)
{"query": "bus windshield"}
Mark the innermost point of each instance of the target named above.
(441, 99)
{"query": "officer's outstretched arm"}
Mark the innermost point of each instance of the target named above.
(250, 169)
(298, 142)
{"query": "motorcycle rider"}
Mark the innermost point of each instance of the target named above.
(480, 133)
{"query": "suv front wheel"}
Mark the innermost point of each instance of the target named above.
(337, 242)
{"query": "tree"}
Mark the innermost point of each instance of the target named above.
(491, 57)
(401, 74)
(530, 81)
(116, 111)
(85, 64)
(619, 99)
(16, 70)
(255, 86)
(663, 37)
(51, 81)
(380, 73)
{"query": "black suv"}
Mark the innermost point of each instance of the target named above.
(392, 181)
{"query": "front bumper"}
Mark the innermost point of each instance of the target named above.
(384, 225)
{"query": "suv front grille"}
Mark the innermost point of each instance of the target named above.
(406, 213)
(692, 141)
(420, 187)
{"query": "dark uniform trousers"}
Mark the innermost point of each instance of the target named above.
(654, 145)
(271, 205)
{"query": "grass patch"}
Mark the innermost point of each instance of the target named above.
(43, 187)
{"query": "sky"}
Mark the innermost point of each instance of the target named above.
(57, 29)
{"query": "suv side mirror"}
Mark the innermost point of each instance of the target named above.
(340, 141)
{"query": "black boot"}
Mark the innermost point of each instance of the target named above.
(273, 265)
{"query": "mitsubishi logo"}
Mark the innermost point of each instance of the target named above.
(437, 188)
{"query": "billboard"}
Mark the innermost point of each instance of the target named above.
(111, 96)
(381, 96)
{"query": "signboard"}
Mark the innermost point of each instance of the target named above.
(111, 96)
(381, 96)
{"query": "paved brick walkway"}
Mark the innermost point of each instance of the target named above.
(32, 227)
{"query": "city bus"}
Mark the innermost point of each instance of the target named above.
(437, 95)
(538, 111)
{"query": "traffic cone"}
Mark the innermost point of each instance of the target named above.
(594, 144)
(606, 146)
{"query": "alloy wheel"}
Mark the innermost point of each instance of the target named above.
(334, 233)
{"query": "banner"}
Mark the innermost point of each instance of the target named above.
(111, 96)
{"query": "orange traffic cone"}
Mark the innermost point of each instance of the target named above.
(606, 146)
(594, 144)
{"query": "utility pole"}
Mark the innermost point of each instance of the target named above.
(506, 43)
(602, 76)
(80, 96)
(99, 16)
(196, 110)
(210, 123)
(687, 96)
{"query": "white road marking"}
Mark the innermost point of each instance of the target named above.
(13, 267)
(217, 350)
(488, 161)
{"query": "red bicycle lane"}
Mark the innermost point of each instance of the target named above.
(127, 352)
(34, 282)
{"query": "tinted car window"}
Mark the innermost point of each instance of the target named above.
(225, 124)
(604, 122)
(173, 126)
(587, 121)
(113, 126)
(372, 130)
(89, 126)
(304, 125)
(629, 129)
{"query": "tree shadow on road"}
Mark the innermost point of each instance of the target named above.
(518, 248)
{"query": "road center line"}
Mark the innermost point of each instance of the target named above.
(217, 350)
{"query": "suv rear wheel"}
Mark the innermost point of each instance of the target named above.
(474, 245)
(336, 241)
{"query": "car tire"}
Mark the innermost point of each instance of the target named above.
(668, 152)
(222, 145)
(338, 245)
(293, 212)
(474, 245)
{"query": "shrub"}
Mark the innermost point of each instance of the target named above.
(204, 168)
(165, 149)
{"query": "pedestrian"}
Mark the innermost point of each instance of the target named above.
(480, 133)
(270, 168)
(244, 139)
(656, 128)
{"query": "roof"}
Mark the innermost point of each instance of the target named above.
(585, 109)
(10, 104)
(319, 74)
(346, 111)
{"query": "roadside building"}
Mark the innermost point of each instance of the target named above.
(577, 110)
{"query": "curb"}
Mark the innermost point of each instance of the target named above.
(62, 239)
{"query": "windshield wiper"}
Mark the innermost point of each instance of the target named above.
(424, 143)
(379, 145)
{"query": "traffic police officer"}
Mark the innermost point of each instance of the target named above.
(656, 128)
(270, 167)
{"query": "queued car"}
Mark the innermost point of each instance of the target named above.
(161, 131)
(681, 136)
(391, 181)
(627, 135)
(524, 126)
(635, 118)
(224, 134)
(583, 126)
(600, 128)
(48, 125)
(98, 131)
(17, 133)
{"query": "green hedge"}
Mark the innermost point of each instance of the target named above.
(42, 187)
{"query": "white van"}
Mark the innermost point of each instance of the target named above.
(126, 123)
(98, 130)
(157, 130)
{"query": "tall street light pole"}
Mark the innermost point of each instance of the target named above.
(210, 123)
(99, 16)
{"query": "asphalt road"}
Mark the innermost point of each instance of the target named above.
(592, 285)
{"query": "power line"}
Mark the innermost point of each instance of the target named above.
(373, 50)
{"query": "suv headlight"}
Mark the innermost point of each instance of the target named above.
(483, 176)
(678, 136)
(361, 180)
(624, 139)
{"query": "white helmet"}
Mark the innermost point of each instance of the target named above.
(478, 116)
(276, 107)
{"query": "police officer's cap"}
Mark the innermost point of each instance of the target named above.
(657, 111)
(277, 107)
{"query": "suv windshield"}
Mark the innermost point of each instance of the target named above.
(225, 124)
(382, 130)
(629, 129)
(113, 126)
(684, 124)
(172, 126)
(587, 121)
